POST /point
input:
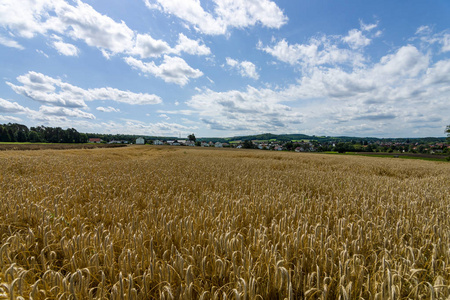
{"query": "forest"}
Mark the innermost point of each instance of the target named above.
(13, 132)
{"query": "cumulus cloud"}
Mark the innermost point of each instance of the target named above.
(64, 112)
(11, 107)
(245, 68)
(138, 127)
(191, 46)
(10, 43)
(107, 109)
(426, 35)
(173, 69)
(356, 39)
(48, 90)
(65, 48)
(251, 110)
(146, 46)
(325, 50)
(370, 99)
(319, 51)
(82, 22)
(8, 119)
(226, 14)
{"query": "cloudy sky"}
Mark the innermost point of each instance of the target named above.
(227, 67)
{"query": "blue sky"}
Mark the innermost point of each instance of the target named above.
(227, 67)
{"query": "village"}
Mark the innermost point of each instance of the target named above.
(301, 146)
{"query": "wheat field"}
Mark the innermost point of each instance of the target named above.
(149, 222)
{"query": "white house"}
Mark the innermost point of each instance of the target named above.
(140, 141)
(158, 142)
(218, 145)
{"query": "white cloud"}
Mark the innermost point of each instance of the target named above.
(251, 110)
(426, 35)
(65, 48)
(356, 39)
(164, 116)
(232, 62)
(108, 93)
(42, 52)
(185, 112)
(234, 14)
(367, 27)
(403, 90)
(82, 22)
(191, 46)
(11, 107)
(107, 109)
(10, 43)
(173, 69)
(146, 46)
(48, 90)
(64, 112)
(325, 49)
(138, 127)
(245, 68)
(321, 51)
(11, 119)
(445, 41)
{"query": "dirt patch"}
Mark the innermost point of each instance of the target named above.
(4, 147)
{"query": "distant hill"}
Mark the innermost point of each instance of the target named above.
(268, 137)
(323, 139)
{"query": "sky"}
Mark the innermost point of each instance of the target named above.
(222, 68)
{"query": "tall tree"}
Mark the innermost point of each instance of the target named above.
(191, 137)
(4, 135)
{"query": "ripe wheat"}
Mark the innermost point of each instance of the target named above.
(176, 223)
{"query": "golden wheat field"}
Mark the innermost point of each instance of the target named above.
(149, 222)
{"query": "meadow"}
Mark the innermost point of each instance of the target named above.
(148, 222)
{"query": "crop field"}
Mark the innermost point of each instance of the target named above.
(149, 222)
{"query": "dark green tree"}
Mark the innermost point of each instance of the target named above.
(12, 137)
(4, 135)
(33, 137)
(191, 137)
(248, 144)
(22, 136)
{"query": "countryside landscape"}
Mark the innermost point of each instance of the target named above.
(165, 222)
(224, 150)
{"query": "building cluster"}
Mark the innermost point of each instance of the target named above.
(304, 146)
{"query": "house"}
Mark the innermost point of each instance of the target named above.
(204, 144)
(190, 143)
(218, 145)
(158, 142)
(95, 140)
(140, 141)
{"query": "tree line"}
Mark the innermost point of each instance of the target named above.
(13, 132)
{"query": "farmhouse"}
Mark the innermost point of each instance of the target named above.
(95, 140)
(140, 141)
(158, 142)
